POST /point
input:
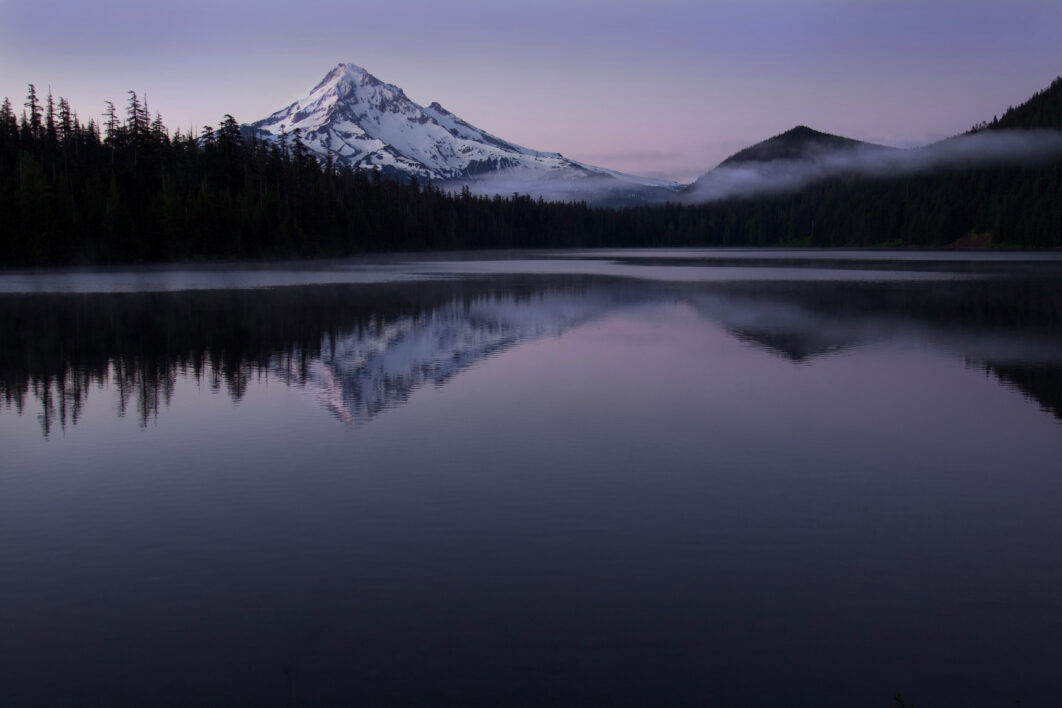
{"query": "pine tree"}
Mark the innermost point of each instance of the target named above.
(8, 123)
(158, 129)
(34, 106)
(49, 118)
(282, 142)
(66, 125)
(298, 147)
(113, 126)
(133, 114)
(229, 132)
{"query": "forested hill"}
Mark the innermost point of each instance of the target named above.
(793, 144)
(130, 191)
(1042, 111)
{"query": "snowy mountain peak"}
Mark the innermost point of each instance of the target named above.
(360, 121)
(344, 73)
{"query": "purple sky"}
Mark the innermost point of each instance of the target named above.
(665, 88)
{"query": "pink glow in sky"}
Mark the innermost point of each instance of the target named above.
(665, 88)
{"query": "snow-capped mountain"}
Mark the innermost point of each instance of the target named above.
(359, 120)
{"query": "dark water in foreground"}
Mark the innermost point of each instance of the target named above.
(666, 478)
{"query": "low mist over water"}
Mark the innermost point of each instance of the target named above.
(635, 478)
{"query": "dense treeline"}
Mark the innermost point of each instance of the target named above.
(127, 190)
(1042, 111)
(58, 347)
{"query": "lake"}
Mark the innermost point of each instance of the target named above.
(696, 477)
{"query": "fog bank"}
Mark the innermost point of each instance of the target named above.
(965, 151)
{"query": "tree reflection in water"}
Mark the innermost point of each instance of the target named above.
(364, 348)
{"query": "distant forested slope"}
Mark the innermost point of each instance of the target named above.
(1042, 111)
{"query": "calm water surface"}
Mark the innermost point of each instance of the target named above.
(577, 478)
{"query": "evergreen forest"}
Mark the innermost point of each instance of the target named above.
(127, 190)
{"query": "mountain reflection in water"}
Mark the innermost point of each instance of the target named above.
(364, 348)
